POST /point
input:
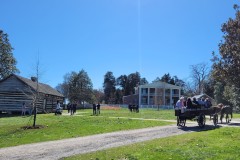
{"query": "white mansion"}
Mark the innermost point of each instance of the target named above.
(156, 93)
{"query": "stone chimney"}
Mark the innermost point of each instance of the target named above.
(34, 79)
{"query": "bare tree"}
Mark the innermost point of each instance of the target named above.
(37, 95)
(199, 73)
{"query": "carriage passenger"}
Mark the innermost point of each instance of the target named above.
(180, 104)
(184, 102)
(195, 103)
(208, 103)
(201, 102)
(189, 103)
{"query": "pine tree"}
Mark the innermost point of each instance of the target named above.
(7, 61)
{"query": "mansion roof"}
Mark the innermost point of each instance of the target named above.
(159, 84)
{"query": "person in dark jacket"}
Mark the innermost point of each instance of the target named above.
(98, 108)
(94, 109)
(195, 103)
(74, 108)
(69, 107)
(189, 103)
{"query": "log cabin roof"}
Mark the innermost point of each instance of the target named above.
(42, 88)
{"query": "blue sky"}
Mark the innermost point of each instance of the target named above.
(152, 37)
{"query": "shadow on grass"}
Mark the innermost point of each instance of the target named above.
(6, 115)
(199, 129)
(234, 124)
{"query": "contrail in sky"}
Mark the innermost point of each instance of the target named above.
(139, 37)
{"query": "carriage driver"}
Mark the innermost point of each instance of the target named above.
(180, 104)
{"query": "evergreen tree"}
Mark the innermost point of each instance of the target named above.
(109, 87)
(80, 87)
(7, 61)
(226, 65)
(122, 82)
(167, 78)
(133, 81)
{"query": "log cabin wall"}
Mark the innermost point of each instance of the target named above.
(13, 101)
(47, 103)
(13, 93)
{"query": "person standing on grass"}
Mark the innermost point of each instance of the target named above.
(23, 109)
(94, 109)
(68, 107)
(98, 108)
(71, 109)
(58, 108)
(74, 107)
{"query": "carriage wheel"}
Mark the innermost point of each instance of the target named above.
(201, 120)
(215, 119)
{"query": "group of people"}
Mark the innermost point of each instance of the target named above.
(190, 103)
(133, 108)
(72, 107)
(96, 109)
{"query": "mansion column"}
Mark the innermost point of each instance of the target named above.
(139, 96)
(179, 93)
(148, 100)
(171, 101)
(164, 98)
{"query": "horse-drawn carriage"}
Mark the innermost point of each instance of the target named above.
(198, 114)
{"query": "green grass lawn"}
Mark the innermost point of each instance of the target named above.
(236, 115)
(144, 113)
(222, 143)
(81, 124)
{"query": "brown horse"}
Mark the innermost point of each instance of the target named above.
(226, 110)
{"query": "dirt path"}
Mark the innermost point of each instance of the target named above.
(68, 147)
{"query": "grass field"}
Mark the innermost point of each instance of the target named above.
(222, 144)
(81, 124)
(144, 113)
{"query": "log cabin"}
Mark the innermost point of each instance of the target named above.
(16, 90)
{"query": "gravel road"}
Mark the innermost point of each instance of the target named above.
(64, 148)
(53, 150)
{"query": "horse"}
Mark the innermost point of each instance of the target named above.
(228, 111)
